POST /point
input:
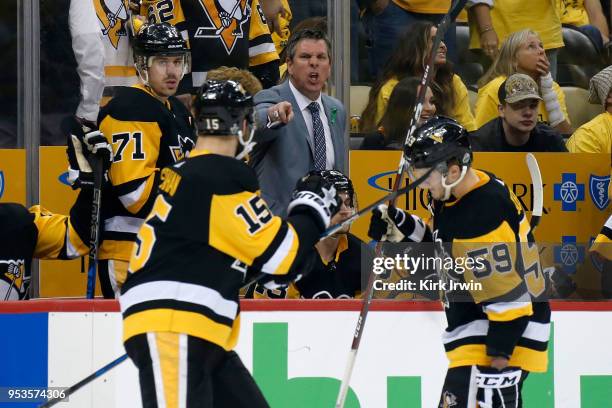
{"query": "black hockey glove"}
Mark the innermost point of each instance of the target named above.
(394, 225)
(316, 196)
(498, 388)
(84, 143)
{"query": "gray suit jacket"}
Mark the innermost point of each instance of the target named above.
(283, 155)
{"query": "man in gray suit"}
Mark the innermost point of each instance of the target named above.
(299, 128)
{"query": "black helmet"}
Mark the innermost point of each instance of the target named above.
(220, 107)
(159, 38)
(438, 140)
(342, 183)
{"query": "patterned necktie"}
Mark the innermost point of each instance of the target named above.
(319, 137)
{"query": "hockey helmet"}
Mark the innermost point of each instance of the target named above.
(219, 109)
(436, 141)
(342, 183)
(159, 39)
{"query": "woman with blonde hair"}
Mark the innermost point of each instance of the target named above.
(522, 52)
(410, 59)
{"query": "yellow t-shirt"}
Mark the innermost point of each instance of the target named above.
(509, 16)
(461, 110)
(572, 12)
(594, 136)
(424, 6)
(487, 103)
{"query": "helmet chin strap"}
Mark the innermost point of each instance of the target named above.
(247, 145)
(448, 187)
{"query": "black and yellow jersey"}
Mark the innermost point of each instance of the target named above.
(339, 278)
(38, 233)
(603, 241)
(508, 314)
(233, 33)
(208, 228)
(146, 135)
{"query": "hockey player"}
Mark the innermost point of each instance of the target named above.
(498, 333)
(38, 233)
(209, 229)
(336, 271)
(227, 32)
(148, 129)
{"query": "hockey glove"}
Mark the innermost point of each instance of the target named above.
(498, 388)
(84, 142)
(394, 225)
(316, 196)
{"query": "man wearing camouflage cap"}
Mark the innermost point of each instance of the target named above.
(517, 128)
(595, 136)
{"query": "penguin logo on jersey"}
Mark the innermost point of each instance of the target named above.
(185, 145)
(448, 400)
(113, 15)
(14, 272)
(226, 18)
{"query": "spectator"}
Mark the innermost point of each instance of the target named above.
(71, 67)
(523, 52)
(479, 16)
(117, 29)
(386, 22)
(239, 37)
(278, 15)
(588, 17)
(394, 124)
(595, 136)
(314, 138)
(508, 17)
(336, 272)
(517, 128)
(410, 59)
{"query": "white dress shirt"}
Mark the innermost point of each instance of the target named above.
(303, 103)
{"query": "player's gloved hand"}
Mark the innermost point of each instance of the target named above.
(85, 142)
(502, 384)
(386, 223)
(315, 195)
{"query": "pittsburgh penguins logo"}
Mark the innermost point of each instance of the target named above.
(113, 15)
(226, 18)
(185, 145)
(13, 275)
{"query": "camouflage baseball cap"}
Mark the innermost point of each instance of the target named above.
(517, 88)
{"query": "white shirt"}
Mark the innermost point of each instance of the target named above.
(303, 103)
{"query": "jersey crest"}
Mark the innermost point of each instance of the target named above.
(14, 272)
(226, 18)
(185, 145)
(113, 15)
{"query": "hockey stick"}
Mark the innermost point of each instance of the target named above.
(453, 12)
(538, 190)
(94, 236)
(332, 230)
(84, 381)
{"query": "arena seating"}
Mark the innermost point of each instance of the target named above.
(578, 107)
(578, 61)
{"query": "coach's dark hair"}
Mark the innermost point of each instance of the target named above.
(306, 34)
